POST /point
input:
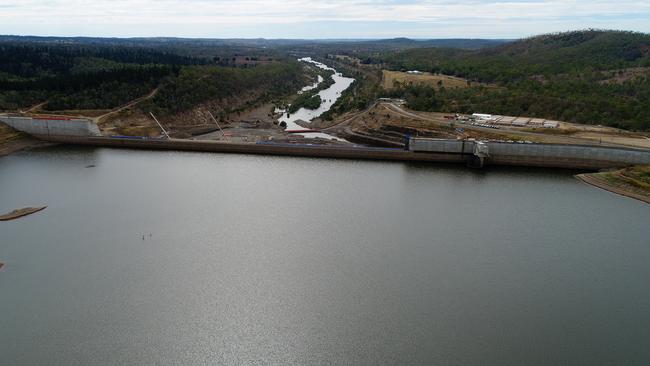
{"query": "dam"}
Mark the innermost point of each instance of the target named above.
(510, 154)
(77, 131)
(51, 125)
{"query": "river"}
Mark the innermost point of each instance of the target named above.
(328, 96)
(177, 258)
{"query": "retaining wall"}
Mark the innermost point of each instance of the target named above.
(556, 155)
(53, 126)
(540, 155)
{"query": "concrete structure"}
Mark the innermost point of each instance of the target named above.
(551, 124)
(483, 117)
(528, 154)
(520, 121)
(515, 121)
(425, 150)
(52, 126)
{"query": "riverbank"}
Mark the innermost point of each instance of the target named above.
(12, 141)
(330, 93)
(633, 182)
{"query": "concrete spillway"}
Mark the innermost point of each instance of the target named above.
(537, 155)
(46, 126)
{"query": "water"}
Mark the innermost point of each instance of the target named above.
(328, 96)
(292, 261)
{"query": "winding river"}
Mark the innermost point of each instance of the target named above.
(329, 96)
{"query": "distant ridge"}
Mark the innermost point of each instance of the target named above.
(401, 42)
(466, 43)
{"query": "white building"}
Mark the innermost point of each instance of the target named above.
(483, 117)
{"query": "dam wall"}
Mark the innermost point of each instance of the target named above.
(542, 155)
(52, 126)
(500, 150)
(532, 155)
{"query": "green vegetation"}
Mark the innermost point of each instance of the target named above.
(72, 76)
(363, 92)
(80, 77)
(566, 76)
(307, 101)
(637, 175)
(310, 99)
(593, 77)
(199, 84)
(632, 181)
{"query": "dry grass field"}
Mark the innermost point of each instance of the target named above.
(391, 77)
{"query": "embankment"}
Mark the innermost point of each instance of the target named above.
(599, 180)
(351, 152)
(12, 141)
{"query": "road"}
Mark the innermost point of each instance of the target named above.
(537, 137)
(126, 106)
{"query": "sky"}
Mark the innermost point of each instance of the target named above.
(325, 19)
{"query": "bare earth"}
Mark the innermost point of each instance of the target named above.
(391, 77)
(15, 214)
(12, 141)
(639, 141)
(391, 121)
(633, 182)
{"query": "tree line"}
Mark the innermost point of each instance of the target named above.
(566, 76)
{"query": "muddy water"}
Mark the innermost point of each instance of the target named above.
(291, 261)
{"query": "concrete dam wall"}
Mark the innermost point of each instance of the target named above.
(551, 155)
(513, 152)
(52, 126)
(594, 158)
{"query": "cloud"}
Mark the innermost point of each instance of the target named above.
(274, 18)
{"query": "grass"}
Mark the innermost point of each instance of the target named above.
(637, 175)
(8, 134)
(636, 178)
(392, 78)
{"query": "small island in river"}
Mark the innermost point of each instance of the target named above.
(15, 214)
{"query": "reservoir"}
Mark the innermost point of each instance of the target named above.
(196, 258)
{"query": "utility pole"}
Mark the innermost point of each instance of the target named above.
(161, 127)
(215, 121)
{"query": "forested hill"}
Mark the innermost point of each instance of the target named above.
(93, 76)
(593, 76)
(72, 76)
(553, 54)
(35, 60)
(462, 43)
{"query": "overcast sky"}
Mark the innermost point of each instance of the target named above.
(322, 19)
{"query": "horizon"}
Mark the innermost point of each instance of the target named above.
(329, 19)
(350, 39)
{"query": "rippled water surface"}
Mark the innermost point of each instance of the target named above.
(291, 261)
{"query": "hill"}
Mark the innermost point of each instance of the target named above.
(80, 77)
(462, 43)
(561, 76)
(95, 73)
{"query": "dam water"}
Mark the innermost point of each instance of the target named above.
(196, 258)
